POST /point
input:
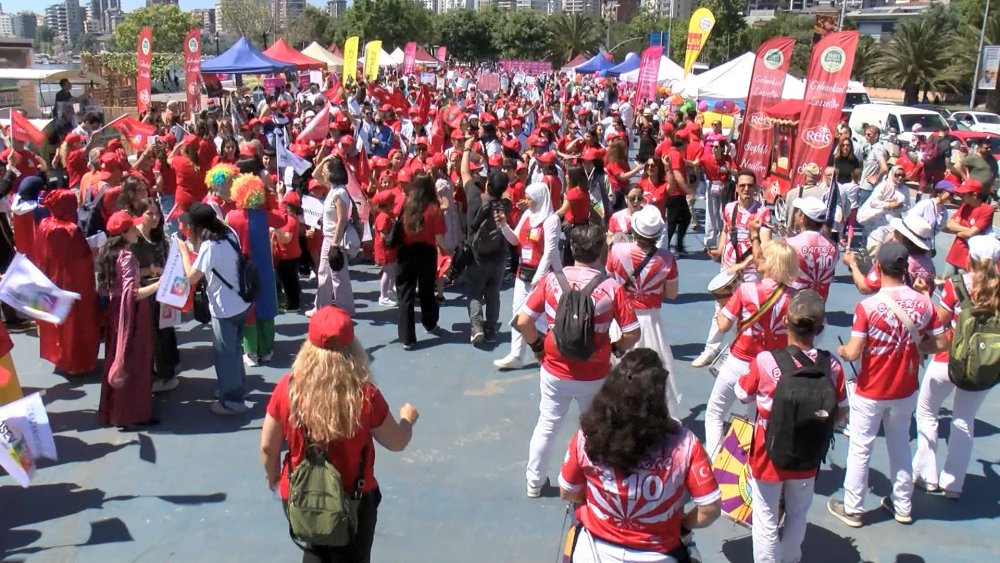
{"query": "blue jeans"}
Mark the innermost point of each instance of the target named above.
(863, 195)
(227, 352)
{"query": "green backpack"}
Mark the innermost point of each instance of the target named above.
(320, 511)
(974, 361)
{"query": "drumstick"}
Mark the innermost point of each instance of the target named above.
(841, 340)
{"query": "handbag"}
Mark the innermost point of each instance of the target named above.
(202, 313)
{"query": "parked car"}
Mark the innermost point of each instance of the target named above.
(981, 121)
(945, 112)
(971, 139)
(898, 118)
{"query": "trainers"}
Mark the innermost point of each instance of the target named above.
(536, 491)
(478, 337)
(219, 408)
(836, 508)
(164, 385)
(901, 518)
(922, 483)
(407, 347)
(491, 335)
(386, 302)
(250, 361)
(435, 330)
(310, 313)
(706, 357)
(266, 358)
(508, 362)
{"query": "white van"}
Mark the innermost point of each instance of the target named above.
(900, 118)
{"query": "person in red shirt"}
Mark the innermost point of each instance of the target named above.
(73, 157)
(885, 394)
(678, 211)
(386, 214)
(24, 161)
(190, 176)
(288, 252)
(775, 490)
(565, 379)
(423, 238)
(344, 424)
(618, 173)
(716, 165)
(654, 185)
(973, 217)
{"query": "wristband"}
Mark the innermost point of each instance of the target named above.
(538, 345)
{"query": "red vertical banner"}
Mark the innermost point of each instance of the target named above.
(826, 89)
(192, 70)
(766, 85)
(144, 68)
(409, 57)
(649, 70)
(442, 53)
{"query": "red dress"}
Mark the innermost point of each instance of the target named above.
(65, 258)
(190, 185)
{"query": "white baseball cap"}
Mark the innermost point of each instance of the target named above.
(647, 222)
(981, 247)
(812, 207)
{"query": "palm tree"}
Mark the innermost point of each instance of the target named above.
(574, 34)
(868, 51)
(917, 58)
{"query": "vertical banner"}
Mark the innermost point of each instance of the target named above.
(351, 60)
(702, 22)
(144, 68)
(372, 51)
(990, 68)
(766, 85)
(409, 57)
(442, 53)
(649, 70)
(826, 88)
(192, 70)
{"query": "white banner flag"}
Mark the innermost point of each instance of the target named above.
(25, 436)
(312, 211)
(25, 288)
(174, 287)
(288, 159)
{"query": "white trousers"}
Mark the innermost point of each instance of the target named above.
(517, 345)
(333, 287)
(713, 214)
(933, 391)
(722, 398)
(556, 396)
(767, 546)
(866, 417)
(592, 550)
(714, 340)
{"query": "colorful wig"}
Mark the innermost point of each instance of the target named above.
(248, 192)
(218, 175)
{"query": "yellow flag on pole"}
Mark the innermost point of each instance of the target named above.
(351, 60)
(372, 51)
(702, 22)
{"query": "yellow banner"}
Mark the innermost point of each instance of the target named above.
(702, 22)
(350, 60)
(372, 50)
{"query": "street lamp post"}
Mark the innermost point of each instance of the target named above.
(217, 44)
(979, 56)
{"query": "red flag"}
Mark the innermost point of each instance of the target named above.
(442, 53)
(318, 128)
(826, 89)
(766, 84)
(398, 100)
(22, 130)
(144, 66)
(649, 71)
(409, 57)
(424, 102)
(192, 70)
(334, 94)
(137, 132)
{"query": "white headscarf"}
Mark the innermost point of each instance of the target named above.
(541, 203)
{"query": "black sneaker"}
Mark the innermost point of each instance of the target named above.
(836, 508)
(491, 335)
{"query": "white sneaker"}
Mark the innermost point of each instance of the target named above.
(706, 357)
(250, 360)
(164, 385)
(310, 313)
(386, 302)
(508, 362)
(312, 276)
(267, 358)
(536, 491)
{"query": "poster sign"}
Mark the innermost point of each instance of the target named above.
(649, 70)
(489, 82)
(144, 70)
(442, 53)
(174, 287)
(766, 85)
(372, 52)
(272, 82)
(702, 22)
(440, 83)
(990, 68)
(25, 437)
(527, 67)
(192, 70)
(428, 78)
(312, 211)
(25, 288)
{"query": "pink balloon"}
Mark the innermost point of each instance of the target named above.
(702, 106)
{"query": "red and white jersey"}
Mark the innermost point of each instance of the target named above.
(917, 266)
(743, 217)
(890, 359)
(817, 261)
(610, 304)
(641, 510)
(646, 291)
(766, 333)
(759, 385)
(949, 302)
(620, 222)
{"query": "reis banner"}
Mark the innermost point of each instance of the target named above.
(144, 69)
(766, 85)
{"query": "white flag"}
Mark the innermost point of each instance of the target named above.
(25, 436)
(287, 158)
(174, 287)
(25, 288)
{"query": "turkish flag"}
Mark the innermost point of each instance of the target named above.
(318, 128)
(137, 132)
(22, 130)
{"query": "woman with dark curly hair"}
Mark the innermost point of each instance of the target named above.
(630, 466)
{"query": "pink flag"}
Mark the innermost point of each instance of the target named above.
(766, 85)
(318, 128)
(409, 57)
(442, 53)
(649, 70)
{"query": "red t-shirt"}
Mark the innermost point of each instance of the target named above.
(759, 385)
(663, 149)
(743, 217)
(949, 302)
(579, 206)
(555, 189)
(621, 221)
(655, 195)
(76, 166)
(646, 290)
(610, 304)
(890, 359)
(109, 201)
(676, 163)
(966, 216)
(713, 166)
(613, 170)
(168, 180)
(433, 226)
(642, 509)
(515, 192)
(768, 332)
(344, 454)
(383, 254)
(190, 183)
(291, 250)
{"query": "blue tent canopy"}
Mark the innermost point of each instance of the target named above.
(244, 58)
(630, 63)
(597, 63)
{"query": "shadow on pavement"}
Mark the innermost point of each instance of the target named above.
(819, 546)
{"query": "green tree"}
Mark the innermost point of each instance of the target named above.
(313, 25)
(466, 34)
(251, 18)
(868, 51)
(798, 27)
(520, 34)
(394, 22)
(86, 43)
(729, 35)
(169, 25)
(574, 34)
(965, 46)
(916, 58)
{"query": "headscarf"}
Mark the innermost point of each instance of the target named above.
(541, 203)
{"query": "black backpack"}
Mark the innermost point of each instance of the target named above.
(249, 280)
(487, 240)
(574, 326)
(803, 411)
(394, 237)
(88, 215)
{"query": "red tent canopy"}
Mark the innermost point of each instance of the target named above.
(423, 57)
(283, 52)
(335, 49)
(788, 111)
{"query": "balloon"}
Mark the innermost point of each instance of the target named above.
(676, 100)
(728, 106)
(719, 105)
(702, 106)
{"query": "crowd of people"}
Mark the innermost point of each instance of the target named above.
(535, 187)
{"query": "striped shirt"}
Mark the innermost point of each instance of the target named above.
(646, 291)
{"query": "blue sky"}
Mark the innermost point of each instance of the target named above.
(40, 5)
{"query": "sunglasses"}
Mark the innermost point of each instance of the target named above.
(634, 199)
(899, 175)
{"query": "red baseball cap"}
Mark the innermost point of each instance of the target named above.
(421, 141)
(293, 198)
(72, 139)
(438, 161)
(404, 176)
(495, 160)
(457, 134)
(969, 186)
(386, 108)
(120, 223)
(331, 329)
(246, 150)
(547, 157)
(590, 153)
(512, 144)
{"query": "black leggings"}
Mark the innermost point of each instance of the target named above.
(360, 549)
(416, 280)
(288, 280)
(678, 219)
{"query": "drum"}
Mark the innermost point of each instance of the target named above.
(723, 285)
(730, 467)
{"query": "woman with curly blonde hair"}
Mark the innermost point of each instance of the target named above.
(329, 400)
(981, 287)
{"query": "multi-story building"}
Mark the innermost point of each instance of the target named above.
(582, 6)
(447, 5)
(336, 7)
(547, 6)
(6, 24)
(150, 3)
(207, 17)
(671, 8)
(285, 12)
(25, 25)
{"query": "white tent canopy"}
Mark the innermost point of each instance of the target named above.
(316, 51)
(731, 81)
(397, 56)
(669, 72)
(384, 59)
